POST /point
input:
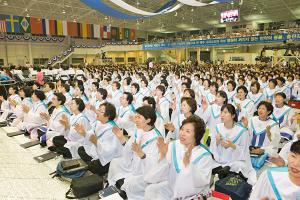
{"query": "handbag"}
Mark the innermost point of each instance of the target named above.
(85, 186)
(234, 186)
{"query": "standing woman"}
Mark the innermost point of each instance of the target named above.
(184, 167)
(229, 145)
(39, 77)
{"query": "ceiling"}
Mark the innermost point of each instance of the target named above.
(186, 18)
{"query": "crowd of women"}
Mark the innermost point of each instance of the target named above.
(165, 133)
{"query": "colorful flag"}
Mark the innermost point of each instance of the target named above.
(132, 34)
(36, 25)
(72, 29)
(2, 24)
(79, 28)
(105, 32)
(24, 24)
(84, 30)
(65, 28)
(90, 30)
(126, 33)
(12, 24)
(114, 33)
(121, 33)
(53, 27)
(46, 26)
(59, 27)
(96, 31)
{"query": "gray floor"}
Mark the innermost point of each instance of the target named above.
(21, 177)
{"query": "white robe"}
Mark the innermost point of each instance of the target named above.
(133, 168)
(259, 138)
(279, 178)
(237, 159)
(171, 179)
(212, 115)
(247, 108)
(256, 98)
(19, 110)
(108, 145)
(164, 109)
(124, 121)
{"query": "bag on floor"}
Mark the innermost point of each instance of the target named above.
(234, 186)
(72, 169)
(85, 186)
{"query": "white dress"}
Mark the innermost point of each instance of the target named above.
(124, 121)
(247, 108)
(171, 179)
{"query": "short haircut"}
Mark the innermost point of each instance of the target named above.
(61, 98)
(242, 87)
(281, 94)
(232, 83)
(191, 102)
(80, 104)
(231, 110)
(136, 86)
(148, 113)
(51, 85)
(40, 94)
(118, 85)
(27, 91)
(110, 110)
(129, 97)
(295, 148)
(161, 88)
(191, 92)
(66, 86)
(150, 101)
(103, 92)
(268, 105)
(199, 127)
(256, 84)
(224, 95)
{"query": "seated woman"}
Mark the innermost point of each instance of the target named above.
(139, 154)
(255, 94)
(184, 167)
(68, 144)
(8, 106)
(25, 93)
(280, 182)
(244, 107)
(264, 132)
(187, 108)
(100, 145)
(283, 115)
(229, 145)
(32, 118)
(56, 123)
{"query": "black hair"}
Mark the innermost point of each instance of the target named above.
(51, 85)
(148, 113)
(187, 85)
(191, 92)
(117, 84)
(110, 110)
(81, 88)
(80, 104)
(15, 88)
(242, 87)
(27, 91)
(224, 95)
(215, 85)
(268, 105)
(136, 86)
(61, 98)
(257, 85)
(295, 148)
(232, 83)
(66, 86)
(96, 84)
(282, 94)
(150, 101)
(281, 79)
(208, 81)
(40, 94)
(274, 81)
(145, 81)
(199, 127)
(231, 110)
(191, 102)
(161, 88)
(129, 97)
(103, 92)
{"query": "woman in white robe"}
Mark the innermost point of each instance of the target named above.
(184, 167)
(162, 103)
(283, 115)
(140, 153)
(280, 182)
(32, 118)
(244, 107)
(270, 91)
(100, 144)
(255, 95)
(9, 106)
(230, 144)
(69, 143)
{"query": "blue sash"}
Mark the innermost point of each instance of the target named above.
(271, 179)
(261, 135)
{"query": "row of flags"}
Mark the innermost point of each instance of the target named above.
(40, 26)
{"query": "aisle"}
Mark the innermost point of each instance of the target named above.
(21, 177)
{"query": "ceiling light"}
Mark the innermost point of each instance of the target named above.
(5, 3)
(64, 12)
(106, 18)
(232, 3)
(27, 15)
(192, 10)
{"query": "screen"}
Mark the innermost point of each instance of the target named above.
(230, 16)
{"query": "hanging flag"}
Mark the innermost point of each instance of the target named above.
(121, 33)
(96, 31)
(12, 24)
(44, 26)
(79, 28)
(132, 34)
(47, 27)
(59, 28)
(65, 28)
(36, 25)
(105, 32)
(2, 24)
(115, 33)
(24, 24)
(84, 30)
(90, 30)
(126, 33)
(72, 29)
(53, 27)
